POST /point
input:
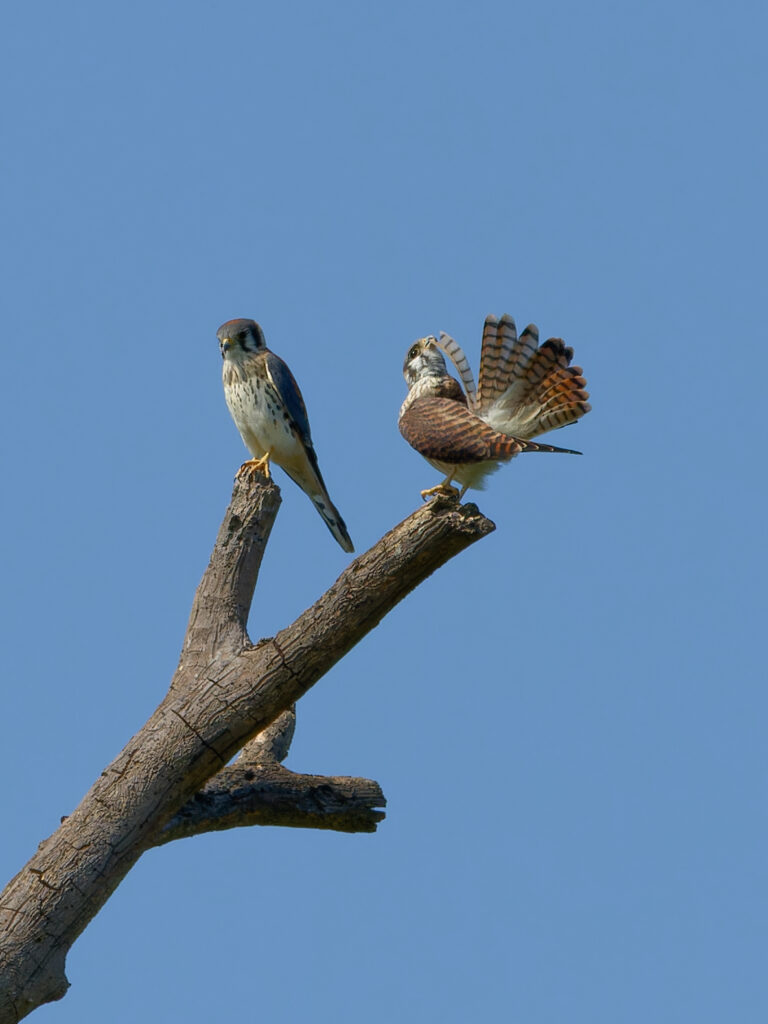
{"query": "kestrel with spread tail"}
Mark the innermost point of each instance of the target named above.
(524, 389)
(270, 414)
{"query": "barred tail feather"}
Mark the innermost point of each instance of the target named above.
(523, 389)
(455, 353)
(547, 394)
(562, 399)
(501, 355)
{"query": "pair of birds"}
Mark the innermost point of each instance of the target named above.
(524, 389)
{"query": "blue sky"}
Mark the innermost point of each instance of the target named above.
(568, 720)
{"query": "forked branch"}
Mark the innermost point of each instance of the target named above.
(171, 779)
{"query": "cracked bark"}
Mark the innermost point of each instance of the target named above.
(227, 695)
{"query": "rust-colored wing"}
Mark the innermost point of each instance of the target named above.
(446, 431)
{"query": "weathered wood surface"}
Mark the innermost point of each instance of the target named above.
(171, 779)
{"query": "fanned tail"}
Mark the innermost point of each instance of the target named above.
(523, 389)
(544, 391)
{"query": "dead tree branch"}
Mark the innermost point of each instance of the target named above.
(257, 790)
(171, 779)
(271, 795)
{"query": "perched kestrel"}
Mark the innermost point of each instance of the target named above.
(523, 390)
(270, 414)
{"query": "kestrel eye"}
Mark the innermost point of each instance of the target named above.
(414, 352)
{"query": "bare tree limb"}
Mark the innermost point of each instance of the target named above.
(271, 795)
(224, 692)
(257, 790)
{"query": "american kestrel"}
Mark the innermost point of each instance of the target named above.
(523, 390)
(270, 414)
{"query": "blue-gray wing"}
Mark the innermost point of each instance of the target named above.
(288, 389)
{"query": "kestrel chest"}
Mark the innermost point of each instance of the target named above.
(259, 415)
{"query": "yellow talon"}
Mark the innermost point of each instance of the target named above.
(253, 466)
(443, 488)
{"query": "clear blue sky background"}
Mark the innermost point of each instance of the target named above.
(569, 720)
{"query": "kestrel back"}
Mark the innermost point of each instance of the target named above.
(266, 405)
(523, 390)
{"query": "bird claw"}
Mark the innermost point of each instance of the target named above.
(444, 489)
(254, 467)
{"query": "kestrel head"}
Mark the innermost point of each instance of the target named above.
(424, 359)
(237, 337)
